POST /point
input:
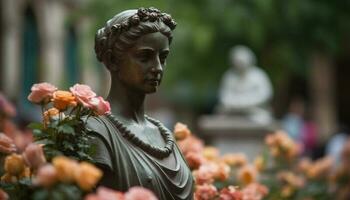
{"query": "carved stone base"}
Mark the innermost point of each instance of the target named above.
(232, 134)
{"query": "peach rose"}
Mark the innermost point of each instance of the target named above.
(254, 191)
(87, 176)
(7, 145)
(7, 178)
(34, 156)
(83, 93)
(50, 114)
(211, 153)
(41, 92)
(247, 174)
(66, 168)
(63, 99)
(194, 160)
(100, 106)
(181, 131)
(223, 172)
(191, 144)
(14, 164)
(205, 192)
(47, 176)
(235, 159)
(205, 174)
(259, 163)
(230, 193)
(139, 193)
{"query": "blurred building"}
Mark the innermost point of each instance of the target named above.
(43, 40)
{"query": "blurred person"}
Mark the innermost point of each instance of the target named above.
(245, 88)
(293, 121)
(336, 143)
(309, 134)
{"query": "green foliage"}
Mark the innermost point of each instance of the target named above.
(58, 192)
(18, 190)
(67, 136)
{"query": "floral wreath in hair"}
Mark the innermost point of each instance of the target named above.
(143, 15)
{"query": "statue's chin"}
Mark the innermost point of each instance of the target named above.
(151, 91)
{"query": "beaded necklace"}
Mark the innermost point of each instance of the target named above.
(158, 152)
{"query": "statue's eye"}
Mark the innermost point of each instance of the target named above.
(144, 56)
(163, 56)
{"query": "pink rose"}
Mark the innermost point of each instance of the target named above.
(7, 145)
(3, 195)
(254, 191)
(47, 176)
(104, 193)
(230, 193)
(83, 93)
(34, 156)
(191, 144)
(205, 174)
(205, 192)
(139, 193)
(41, 92)
(194, 159)
(100, 106)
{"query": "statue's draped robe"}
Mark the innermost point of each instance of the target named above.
(126, 165)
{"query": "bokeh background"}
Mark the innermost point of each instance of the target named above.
(303, 45)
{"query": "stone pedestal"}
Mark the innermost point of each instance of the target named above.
(233, 134)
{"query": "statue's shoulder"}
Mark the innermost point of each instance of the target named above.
(258, 71)
(99, 127)
(96, 124)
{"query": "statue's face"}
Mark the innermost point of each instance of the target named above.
(241, 60)
(142, 67)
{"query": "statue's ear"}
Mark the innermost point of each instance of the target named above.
(110, 61)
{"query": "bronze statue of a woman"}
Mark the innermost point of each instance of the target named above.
(132, 148)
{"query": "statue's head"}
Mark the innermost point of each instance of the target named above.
(242, 58)
(134, 45)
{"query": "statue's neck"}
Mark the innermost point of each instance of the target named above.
(126, 103)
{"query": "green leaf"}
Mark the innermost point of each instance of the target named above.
(45, 142)
(36, 125)
(42, 194)
(37, 133)
(66, 129)
(67, 145)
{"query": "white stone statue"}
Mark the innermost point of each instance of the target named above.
(245, 89)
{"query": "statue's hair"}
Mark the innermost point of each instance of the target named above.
(121, 32)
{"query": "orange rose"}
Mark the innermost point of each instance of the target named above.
(66, 168)
(247, 174)
(14, 164)
(63, 99)
(87, 176)
(50, 113)
(181, 131)
(259, 163)
(7, 178)
(211, 153)
(234, 159)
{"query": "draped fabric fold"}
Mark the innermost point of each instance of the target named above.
(131, 166)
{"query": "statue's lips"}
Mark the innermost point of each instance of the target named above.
(153, 82)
